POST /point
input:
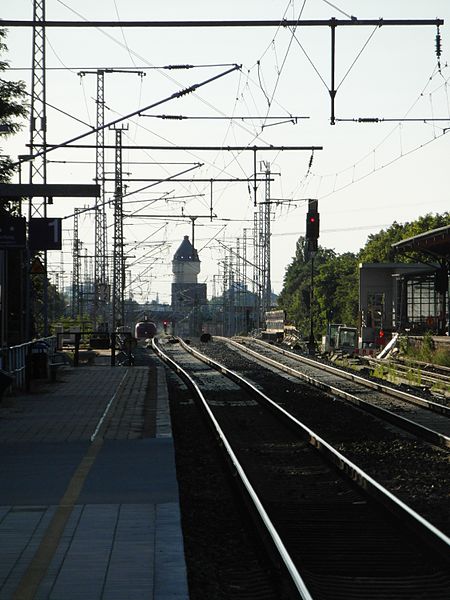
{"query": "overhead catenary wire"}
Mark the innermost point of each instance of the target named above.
(53, 107)
(173, 96)
(403, 153)
(235, 158)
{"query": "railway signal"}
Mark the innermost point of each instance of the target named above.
(312, 226)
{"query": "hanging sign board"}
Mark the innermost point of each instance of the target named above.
(45, 234)
(12, 232)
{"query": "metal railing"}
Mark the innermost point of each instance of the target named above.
(15, 360)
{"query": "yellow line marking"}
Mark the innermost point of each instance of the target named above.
(37, 569)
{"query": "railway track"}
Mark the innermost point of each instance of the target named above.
(336, 531)
(435, 378)
(423, 417)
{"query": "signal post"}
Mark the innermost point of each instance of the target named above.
(311, 246)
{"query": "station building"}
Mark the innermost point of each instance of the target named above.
(404, 297)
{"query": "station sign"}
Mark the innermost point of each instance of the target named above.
(45, 234)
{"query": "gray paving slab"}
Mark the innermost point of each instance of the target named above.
(37, 473)
(122, 537)
(143, 471)
(170, 569)
(21, 531)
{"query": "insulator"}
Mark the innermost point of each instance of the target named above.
(172, 67)
(438, 44)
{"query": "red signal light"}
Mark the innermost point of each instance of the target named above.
(312, 225)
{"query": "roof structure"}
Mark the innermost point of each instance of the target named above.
(186, 251)
(435, 243)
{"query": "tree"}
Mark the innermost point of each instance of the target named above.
(336, 289)
(13, 109)
(379, 246)
(296, 293)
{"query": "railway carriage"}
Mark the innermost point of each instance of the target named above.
(275, 320)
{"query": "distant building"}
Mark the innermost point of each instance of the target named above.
(188, 296)
(383, 304)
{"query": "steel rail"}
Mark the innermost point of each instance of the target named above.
(429, 366)
(420, 430)
(429, 404)
(281, 549)
(439, 375)
(421, 526)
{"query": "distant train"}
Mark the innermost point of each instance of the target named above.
(275, 323)
(144, 330)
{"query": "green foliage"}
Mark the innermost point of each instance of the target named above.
(379, 246)
(426, 352)
(12, 96)
(13, 109)
(379, 371)
(83, 323)
(335, 289)
(427, 347)
(442, 357)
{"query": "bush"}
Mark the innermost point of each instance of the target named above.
(442, 357)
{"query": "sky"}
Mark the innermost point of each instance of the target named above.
(367, 175)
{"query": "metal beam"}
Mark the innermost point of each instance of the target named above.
(193, 148)
(49, 190)
(249, 23)
(193, 179)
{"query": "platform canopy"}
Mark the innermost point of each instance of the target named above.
(435, 243)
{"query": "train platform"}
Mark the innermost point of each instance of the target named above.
(89, 505)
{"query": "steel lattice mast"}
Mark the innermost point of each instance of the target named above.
(118, 283)
(101, 238)
(38, 115)
(37, 207)
(76, 268)
(265, 246)
(100, 245)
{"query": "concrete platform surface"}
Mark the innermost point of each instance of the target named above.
(88, 492)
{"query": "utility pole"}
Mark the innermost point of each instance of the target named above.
(265, 244)
(262, 248)
(256, 270)
(38, 167)
(100, 242)
(311, 247)
(238, 286)
(118, 256)
(76, 248)
(100, 233)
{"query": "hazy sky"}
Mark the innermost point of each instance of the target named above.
(367, 176)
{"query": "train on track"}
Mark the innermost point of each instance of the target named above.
(144, 330)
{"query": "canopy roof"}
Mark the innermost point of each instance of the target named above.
(435, 243)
